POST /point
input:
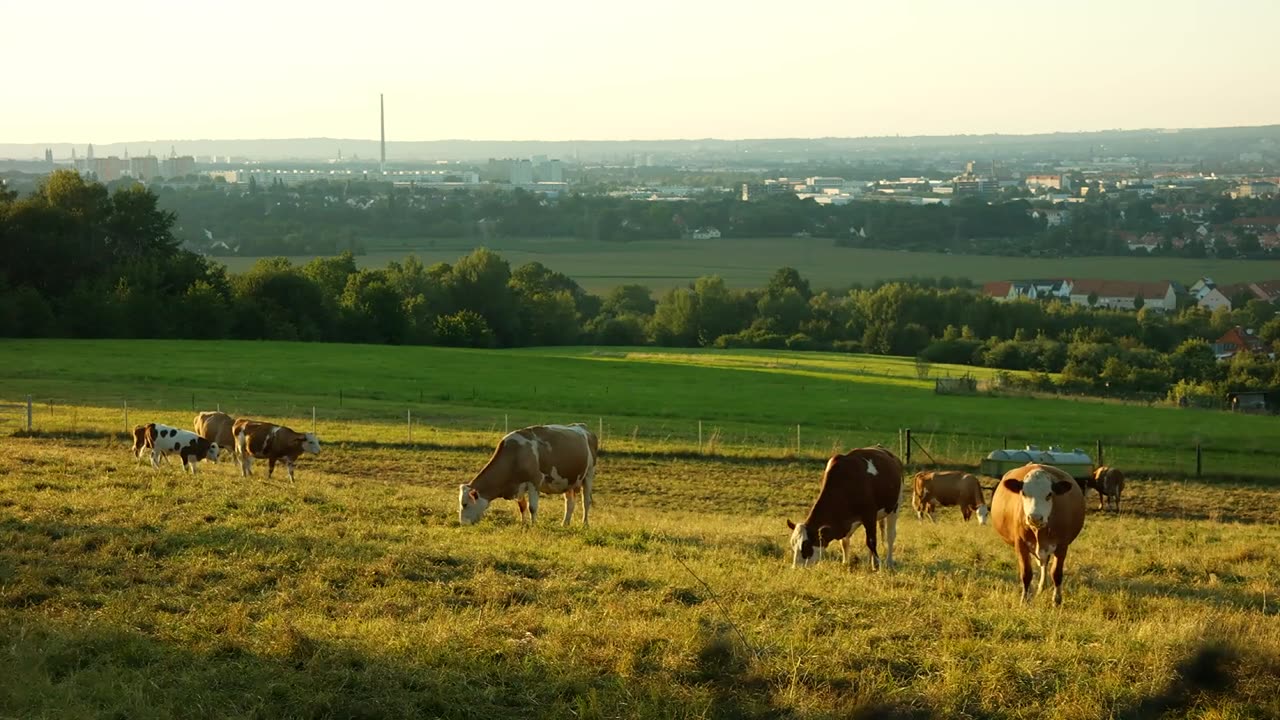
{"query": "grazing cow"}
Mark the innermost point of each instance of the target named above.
(189, 446)
(862, 486)
(1039, 510)
(144, 439)
(215, 426)
(539, 459)
(947, 488)
(254, 439)
(1109, 482)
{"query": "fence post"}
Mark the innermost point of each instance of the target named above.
(408, 421)
(599, 428)
(797, 438)
(1100, 458)
(1198, 460)
(506, 424)
(126, 417)
(313, 418)
(1004, 442)
(699, 436)
(908, 453)
(28, 413)
(219, 408)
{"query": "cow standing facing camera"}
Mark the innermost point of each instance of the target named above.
(1039, 510)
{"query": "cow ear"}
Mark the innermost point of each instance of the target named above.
(473, 494)
(1012, 485)
(1063, 486)
(790, 525)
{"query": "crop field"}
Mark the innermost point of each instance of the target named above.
(749, 262)
(354, 593)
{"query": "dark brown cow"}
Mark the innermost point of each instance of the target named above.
(215, 426)
(947, 488)
(548, 459)
(1039, 510)
(862, 486)
(1109, 482)
(254, 439)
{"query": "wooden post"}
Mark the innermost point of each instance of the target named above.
(599, 428)
(797, 438)
(1199, 460)
(313, 418)
(699, 436)
(219, 407)
(28, 413)
(1004, 442)
(908, 453)
(506, 424)
(126, 417)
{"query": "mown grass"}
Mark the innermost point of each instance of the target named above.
(128, 592)
(749, 262)
(748, 403)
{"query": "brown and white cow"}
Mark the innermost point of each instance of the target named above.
(271, 442)
(947, 488)
(1109, 482)
(215, 426)
(549, 459)
(863, 486)
(165, 439)
(1039, 510)
(144, 440)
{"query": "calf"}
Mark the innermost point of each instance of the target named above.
(947, 488)
(861, 487)
(1039, 510)
(254, 439)
(144, 439)
(190, 447)
(1109, 482)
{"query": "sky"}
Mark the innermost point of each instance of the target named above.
(130, 70)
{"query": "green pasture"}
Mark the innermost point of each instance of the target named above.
(744, 403)
(749, 262)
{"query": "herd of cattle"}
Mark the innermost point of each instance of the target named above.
(247, 438)
(1037, 509)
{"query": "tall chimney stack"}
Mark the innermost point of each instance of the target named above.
(382, 121)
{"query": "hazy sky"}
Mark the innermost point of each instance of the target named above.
(641, 69)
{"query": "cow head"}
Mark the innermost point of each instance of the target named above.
(1037, 490)
(805, 548)
(212, 455)
(471, 506)
(310, 443)
(983, 513)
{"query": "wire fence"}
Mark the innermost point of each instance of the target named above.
(360, 423)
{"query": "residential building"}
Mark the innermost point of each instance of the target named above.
(1000, 290)
(1048, 182)
(706, 234)
(179, 166)
(1123, 294)
(1052, 216)
(522, 172)
(1235, 341)
(145, 167)
(1255, 188)
(1213, 299)
(1268, 224)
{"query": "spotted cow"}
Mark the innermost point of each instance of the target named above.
(550, 459)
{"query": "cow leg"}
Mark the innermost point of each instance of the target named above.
(288, 466)
(570, 496)
(1024, 570)
(586, 495)
(1117, 503)
(890, 535)
(522, 508)
(1100, 501)
(246, 465)
(271, 465)
(845, 543)
(155, 457)
(1059, 558)
(533, 506)
(869, 524)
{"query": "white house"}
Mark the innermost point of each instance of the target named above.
(1213, 299)
(1123, 294)
(706, 234)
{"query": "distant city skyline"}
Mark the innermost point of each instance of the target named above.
(578, 71)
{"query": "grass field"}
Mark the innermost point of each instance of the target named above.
(748, 402)
(132, 593)
(662, 264)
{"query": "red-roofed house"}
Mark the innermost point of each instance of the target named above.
(1000, 290)
(1260, 224)
(1237, 340)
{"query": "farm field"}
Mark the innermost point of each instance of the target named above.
(140, 593)
(739, 403)
(749, 262)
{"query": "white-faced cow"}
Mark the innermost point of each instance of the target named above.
(190, 447)
(1039, 510)
(215, 426)
(549, 459)
(861, 487)
(1109, 482)
(144, 440)
(254, 439)
(948, 488)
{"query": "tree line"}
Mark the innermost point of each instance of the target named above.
(78, 261)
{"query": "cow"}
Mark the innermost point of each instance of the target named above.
(255, 439)
(1109, 482)
(550, 459)
(215, 426)
(1039, 510)
(947, 488)
(862, 486)
(144, 439)
(190, 447)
